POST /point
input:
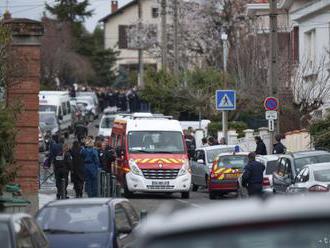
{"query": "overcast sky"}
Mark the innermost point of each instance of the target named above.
(33, 9)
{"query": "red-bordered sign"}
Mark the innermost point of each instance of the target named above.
(271, 103)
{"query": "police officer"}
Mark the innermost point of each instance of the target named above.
(261, 147)
(279, 148)
(253, 177)
(60, 163)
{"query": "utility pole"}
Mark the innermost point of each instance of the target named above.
(140, 51)
(224, 38)
(273, 75)
(176, 52)
(163, 35)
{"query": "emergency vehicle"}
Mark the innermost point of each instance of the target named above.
(226, 170)
(151, 155)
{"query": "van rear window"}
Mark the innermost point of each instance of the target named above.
(47, 108)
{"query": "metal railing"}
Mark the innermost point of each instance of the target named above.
(107, 185)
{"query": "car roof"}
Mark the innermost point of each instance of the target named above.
(319, 166)
(303, 154)
(209, 148)
(268, 157)
(80, 201)
(243, 212)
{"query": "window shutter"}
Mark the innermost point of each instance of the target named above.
(122, 42)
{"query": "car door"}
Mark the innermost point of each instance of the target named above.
(200, 171)
(300, 183)
(282, 178)
(123, 227)
(194, 168)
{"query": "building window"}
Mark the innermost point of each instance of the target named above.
(310, 45)
(155, 12)
(122, 41)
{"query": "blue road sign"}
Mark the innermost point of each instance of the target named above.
(225, 99)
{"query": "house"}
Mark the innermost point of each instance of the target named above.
(308, 23)
(117, 26)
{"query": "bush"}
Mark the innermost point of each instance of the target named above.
(239, 126)
(320, 132)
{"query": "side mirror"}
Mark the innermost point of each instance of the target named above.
(200, 161)
(124, 230)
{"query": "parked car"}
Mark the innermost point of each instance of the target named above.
(226, 170)
(89, 222)
(291, 221)
(289, 165)
(202, 161)
(311, 179)
(105, 126)
(21, 230)
(42, 142)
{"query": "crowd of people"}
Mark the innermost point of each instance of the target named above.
(80, 162)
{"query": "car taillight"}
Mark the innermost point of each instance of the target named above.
(266, 181)
(318, 188)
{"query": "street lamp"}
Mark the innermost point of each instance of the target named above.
(224, 38)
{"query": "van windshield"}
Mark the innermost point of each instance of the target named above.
(47, 108)
(155, 142)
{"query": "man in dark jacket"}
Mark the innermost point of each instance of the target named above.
(279, 148)
(253, 176)
(77, 175)
(261, 147)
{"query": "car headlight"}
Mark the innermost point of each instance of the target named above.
(185, 168)
(134, 168)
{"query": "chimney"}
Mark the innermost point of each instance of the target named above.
(114, 6)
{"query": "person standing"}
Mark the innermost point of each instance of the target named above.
(279, 148)
(204, 142)
(261, 147)
(253, 176)
(77, 174)
(91, 164)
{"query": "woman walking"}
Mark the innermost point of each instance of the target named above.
(92, 165)
(77, 173)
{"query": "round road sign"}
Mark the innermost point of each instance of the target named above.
(271, 103)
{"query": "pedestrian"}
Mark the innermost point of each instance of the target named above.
(77, 173)
(212, 141)
(279, 148)
(91, 164)
(57, 158)
(261, 147)
(253, 176)
(98, 146)
(109, 156)
(204, 142)
(81, 131)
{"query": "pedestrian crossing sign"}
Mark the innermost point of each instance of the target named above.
(225, 100)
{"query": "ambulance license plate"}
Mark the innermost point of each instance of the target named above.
(232, 176)
(160, 183)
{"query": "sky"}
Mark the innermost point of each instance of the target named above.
(33, 9)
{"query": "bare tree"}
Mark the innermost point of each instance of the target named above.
(311, 86)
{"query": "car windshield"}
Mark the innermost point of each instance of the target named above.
(271, 167)
(322, 175)
(86, 219)
(233, 161)
(299, 235)
(5, 235)
(48, 119)
(107, 122)
(47, 108)
(155, 142)
(211, 154)
(301, 162)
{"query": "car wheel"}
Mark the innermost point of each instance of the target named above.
(194, 187)
(212, 195)
(185, 195)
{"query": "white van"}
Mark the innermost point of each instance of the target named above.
(58, 102)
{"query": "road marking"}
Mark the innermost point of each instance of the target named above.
(187, 202)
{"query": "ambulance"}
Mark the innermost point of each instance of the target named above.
(151, 155)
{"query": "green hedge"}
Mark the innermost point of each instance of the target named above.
(239, 126)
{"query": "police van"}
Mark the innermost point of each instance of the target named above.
(59, 103)
(151, 155)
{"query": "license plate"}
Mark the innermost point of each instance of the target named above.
(232, 176)
(160, 183)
